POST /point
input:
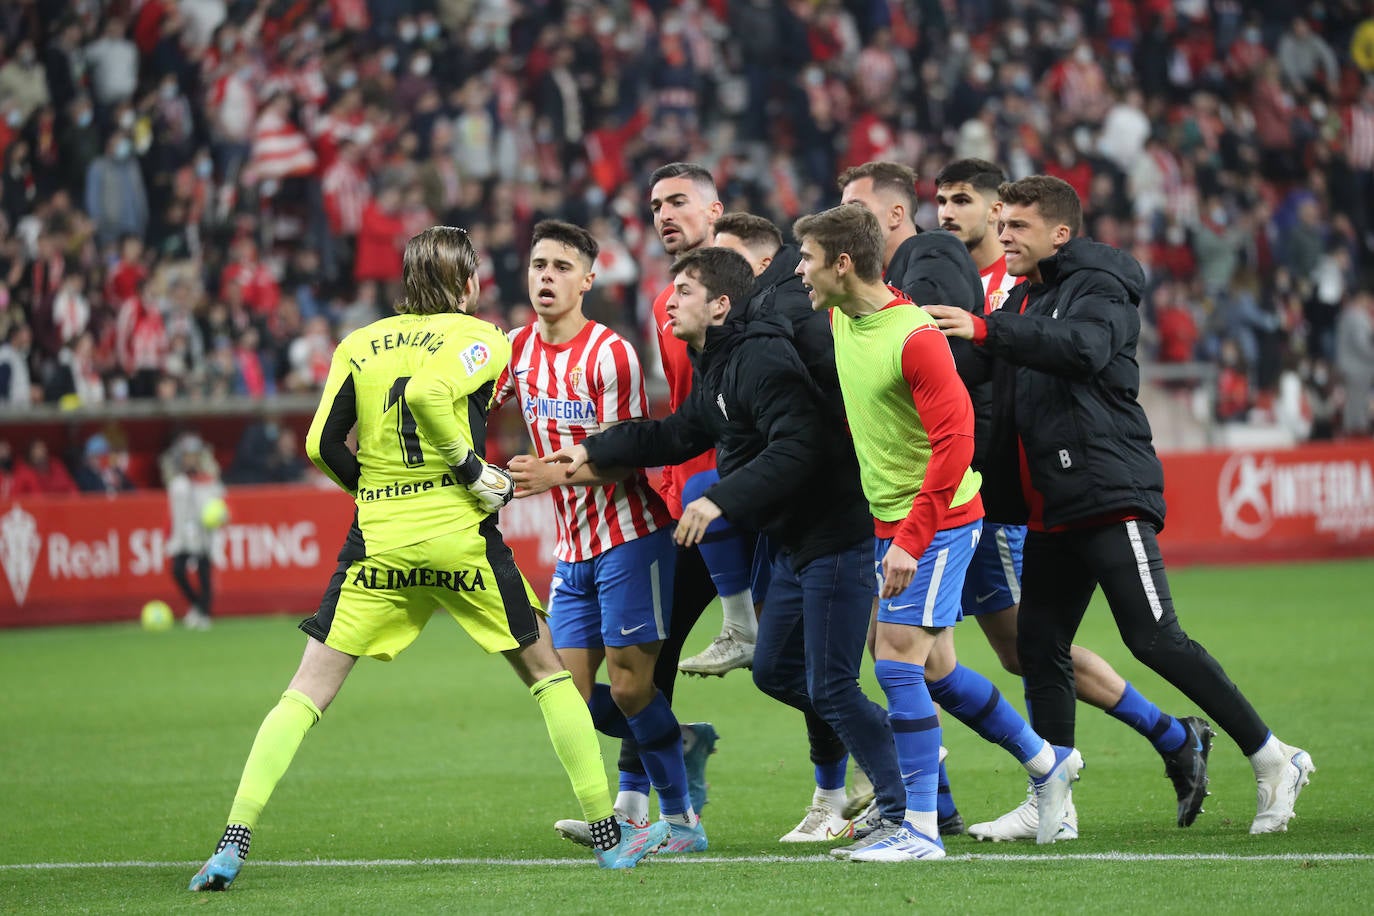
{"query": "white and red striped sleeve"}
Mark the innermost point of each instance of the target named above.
(618, 382)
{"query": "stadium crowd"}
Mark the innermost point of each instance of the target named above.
(200, 197)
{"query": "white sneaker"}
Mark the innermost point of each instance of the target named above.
(1052, 792)
(821, 824)
(1022, 822)
(1278, 791)
(858, 794)
(196, 619)
(906, 845)
(726, 652)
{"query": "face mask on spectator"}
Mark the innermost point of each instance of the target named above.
(1318, 109)
(348, 79)
(420, 66)
(26, 57)
(430, 31)
(1018, 37)
(1253, 35)
(388, 61)
(126, 119)
(14, 118)
(310, 31)
(204, 168)
(169, 90)
(958, 42)
(122, 149)
(408, 32)
(1084, 54)
(84, 118)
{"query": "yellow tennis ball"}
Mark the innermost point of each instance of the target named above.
(215, 513)
(157, 617)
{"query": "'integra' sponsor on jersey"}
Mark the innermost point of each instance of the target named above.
(574, 409)
(457, 580)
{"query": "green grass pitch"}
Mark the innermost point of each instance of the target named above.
(430, 784)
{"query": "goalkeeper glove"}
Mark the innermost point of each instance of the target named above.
(492, 486)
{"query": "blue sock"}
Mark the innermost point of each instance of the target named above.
(606, 716)
(915, 728)
(974, 701)
(1165, 732)
(659, 736)
(944, 798)
(634, 782)
(728, 558)
(831, 775)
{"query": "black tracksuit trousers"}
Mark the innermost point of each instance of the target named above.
(1061, 571)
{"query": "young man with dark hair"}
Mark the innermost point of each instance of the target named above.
(611, 595)
(787, 470)
(966, 193)
(418, 386)
(912, 424)
(1072, 447)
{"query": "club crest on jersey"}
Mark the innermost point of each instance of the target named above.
(996, 298)
(575, 377)
(475, 357)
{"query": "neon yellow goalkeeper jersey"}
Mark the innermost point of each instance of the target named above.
(399, 479)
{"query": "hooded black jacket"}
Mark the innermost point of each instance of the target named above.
(786, 467)
(780, 295)
(934, 268)
(1065, 381)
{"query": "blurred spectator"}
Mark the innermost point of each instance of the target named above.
(16, 387)
(267, 453)
(75, 381)
(381, 239)
(7, 469)
(1233, 384)
(113, 63)
(1305, 59)
(1323, 401)
(41, 473)
(24, 82)
(116, 197)
(1355, 361)
(102, 468)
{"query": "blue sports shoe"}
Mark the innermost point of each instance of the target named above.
(682, 838)
(635, 843)
(698, 743)
(220, 872)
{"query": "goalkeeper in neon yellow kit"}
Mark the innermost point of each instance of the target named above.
(418, 386)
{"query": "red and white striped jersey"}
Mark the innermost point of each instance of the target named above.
(567, 392)
(997, 284)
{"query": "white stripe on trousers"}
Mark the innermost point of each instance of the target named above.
(1142, 565)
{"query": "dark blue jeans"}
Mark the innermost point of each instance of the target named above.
(811, 642)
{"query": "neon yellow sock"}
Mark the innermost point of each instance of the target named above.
(575, 742)
(278, 738)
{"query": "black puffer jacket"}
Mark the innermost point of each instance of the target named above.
(935, 268)
(1065, 380)
(786, 466)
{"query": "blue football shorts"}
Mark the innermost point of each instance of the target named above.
(993, 582)
(620, 597)
(933, 599)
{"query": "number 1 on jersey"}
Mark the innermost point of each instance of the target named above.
(411, 452)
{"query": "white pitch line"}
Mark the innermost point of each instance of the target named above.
(1001, 858)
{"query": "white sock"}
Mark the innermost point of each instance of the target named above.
(831, 798)
(1043, 761)
(633, 806)
(924, 822)
(1269, 757)
(687, 818)
(738, 610)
